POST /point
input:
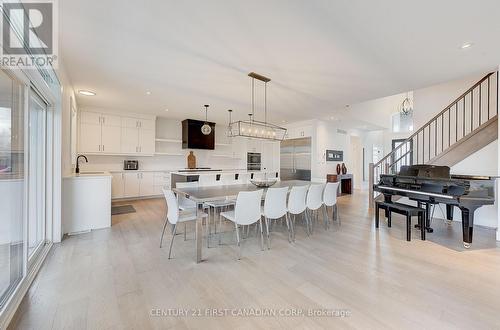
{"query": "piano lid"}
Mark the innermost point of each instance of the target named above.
(426, 171)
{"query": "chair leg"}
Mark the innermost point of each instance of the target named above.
(185, 229)
(172, 241)
(291, 237)
(325, 216)
(292, 226)
(163, 231)
(261, 235)
(238, 240)
(308, 225)
(337, 214)
(268, 236)
(287, 221)
(207, 222)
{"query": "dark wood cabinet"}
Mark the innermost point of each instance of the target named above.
(345, 182)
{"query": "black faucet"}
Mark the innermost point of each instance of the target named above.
(77, 170)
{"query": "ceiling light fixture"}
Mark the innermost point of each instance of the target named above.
(86, 92)
(148, 93)
(256, 129)
(466, 45)
(166, 110)
(206, 129)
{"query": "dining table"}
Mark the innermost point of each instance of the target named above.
(203, 194)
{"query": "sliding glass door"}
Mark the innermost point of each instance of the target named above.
(23, 159)
(37, 172)
(13, 179)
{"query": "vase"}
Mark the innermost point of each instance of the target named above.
(338, 168)
(344, 169)
(191, 160)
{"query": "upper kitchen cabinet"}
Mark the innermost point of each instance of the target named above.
(299, 132)
(104, 133)
(138, 136)
(99, 133)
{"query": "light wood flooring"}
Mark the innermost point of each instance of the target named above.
(113, 278)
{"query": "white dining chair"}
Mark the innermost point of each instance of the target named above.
(314, 201)
(330, 200)
(174, 216)
(297, 205)
(205, 180)
(186, 203)
(247, 211)
(275, 209)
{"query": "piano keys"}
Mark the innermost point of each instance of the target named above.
(429, 185)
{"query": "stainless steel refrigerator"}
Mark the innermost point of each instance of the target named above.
(295, 159)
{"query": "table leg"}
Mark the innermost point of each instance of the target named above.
(198, 233)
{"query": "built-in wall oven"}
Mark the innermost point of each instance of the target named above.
(254, 161)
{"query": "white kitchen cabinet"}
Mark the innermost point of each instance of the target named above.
(111, 139)
(299, 132)
(131, 183)
(146, 141)
(90, 138)
(100, 133)
(146, 186)
(103, 133)
(117, 185)
(129, 140)
(254, 145)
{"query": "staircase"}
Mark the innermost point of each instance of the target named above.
(468, 124)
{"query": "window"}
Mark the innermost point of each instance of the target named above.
(12, 185)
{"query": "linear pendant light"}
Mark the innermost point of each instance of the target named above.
(253, 128)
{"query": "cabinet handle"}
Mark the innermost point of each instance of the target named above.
(103, 147)
(99, 147)
(103, 120)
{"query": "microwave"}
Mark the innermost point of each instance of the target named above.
(130, 164)
(254, 161)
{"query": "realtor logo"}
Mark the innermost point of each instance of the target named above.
(29, 36)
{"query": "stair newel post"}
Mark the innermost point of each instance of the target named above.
(371, 182)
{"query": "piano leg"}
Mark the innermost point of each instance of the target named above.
(467, 225)
(449, 213)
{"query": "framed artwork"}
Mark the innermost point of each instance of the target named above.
(334, 155)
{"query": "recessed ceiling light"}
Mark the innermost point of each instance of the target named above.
(148, 93)
(166, 110)
(466, 45)
(86, 93)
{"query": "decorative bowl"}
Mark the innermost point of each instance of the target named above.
(261, 183)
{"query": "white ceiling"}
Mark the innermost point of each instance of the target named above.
(320, 55)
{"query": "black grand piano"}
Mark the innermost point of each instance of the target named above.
(429, 185)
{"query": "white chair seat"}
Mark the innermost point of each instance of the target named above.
(190, 215)
(229, 215)
(220, 203)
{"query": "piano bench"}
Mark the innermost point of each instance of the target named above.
(403, 209)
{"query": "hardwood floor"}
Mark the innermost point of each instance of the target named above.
(113, 278)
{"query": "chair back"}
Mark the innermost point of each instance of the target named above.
(172, 206)
(330, 193)
(182, 199)
(247, 209)
(314, 198)
(207, 180)
(275, 202)
(297, 199)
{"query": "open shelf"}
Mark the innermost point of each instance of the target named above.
(168, 154)
(168, 140)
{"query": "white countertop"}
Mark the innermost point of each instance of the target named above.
(216, 172)
(88, 175)
(126, 171)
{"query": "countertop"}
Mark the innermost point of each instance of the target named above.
(217, 172)
(88, 175)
